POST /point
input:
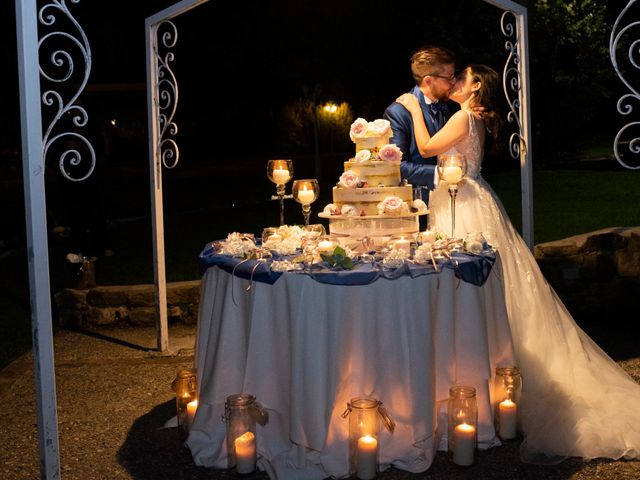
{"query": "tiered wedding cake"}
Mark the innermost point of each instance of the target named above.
(370, 199)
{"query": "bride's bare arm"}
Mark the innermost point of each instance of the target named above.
(453, 131)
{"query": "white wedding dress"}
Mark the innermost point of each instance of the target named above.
(576, 400)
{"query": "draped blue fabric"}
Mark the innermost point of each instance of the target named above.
(470, 268)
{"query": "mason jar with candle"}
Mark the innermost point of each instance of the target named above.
(364, 415)
(462, 432)
(242, 412)
(185, 386)
(507, 390)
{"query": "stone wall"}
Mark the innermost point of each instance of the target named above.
(132, 304)
(594, 274)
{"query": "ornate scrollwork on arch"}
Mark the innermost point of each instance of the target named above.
(76, 156)
(167, 95)
(512, 83)
(625, 138)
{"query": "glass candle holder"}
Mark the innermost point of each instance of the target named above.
(507, 390)
(364, 415)
(452, 168)
(242, 412)
(306, 192)
(401, 242)
(280, 172)
(185, 386)
(462, 429)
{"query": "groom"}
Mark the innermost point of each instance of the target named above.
(433, 70)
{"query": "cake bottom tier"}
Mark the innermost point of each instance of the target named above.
(350, 231)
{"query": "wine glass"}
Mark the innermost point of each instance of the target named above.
(280, 172)
(306, 192)
(452, 169)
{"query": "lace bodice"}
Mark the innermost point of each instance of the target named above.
(471, 146)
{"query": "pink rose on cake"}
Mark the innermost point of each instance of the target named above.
(392, 206)
(359, 129)
(390, 153)
(349, 180)
(363, 156)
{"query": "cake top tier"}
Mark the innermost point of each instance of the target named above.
(372, 141)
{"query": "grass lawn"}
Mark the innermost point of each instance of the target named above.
(565, 203)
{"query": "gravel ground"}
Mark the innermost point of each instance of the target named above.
(114, 397)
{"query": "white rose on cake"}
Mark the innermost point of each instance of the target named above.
(331, 209)
(349, 210)
(363, 156)
(349, 180)
(392, 206)
(390, 153)
(379, 127)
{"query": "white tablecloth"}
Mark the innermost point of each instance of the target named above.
(304, 349)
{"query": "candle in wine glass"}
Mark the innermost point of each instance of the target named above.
(306, 195)
(366, 463)
(507, 414)
(280, 175)
(464, 444)
(452, 174)
(245, 452)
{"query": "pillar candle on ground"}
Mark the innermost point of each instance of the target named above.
(464, 444)
(245, 453)
(367, 461)
(507, 414)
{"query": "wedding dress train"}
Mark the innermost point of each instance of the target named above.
(576, 400)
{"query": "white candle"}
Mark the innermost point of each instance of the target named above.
(280, 175)
(452, 174)
(191, 412)
(245, 452)
(326, 246)
(464, 444)
(366, 461)
(507, 414)
(305, 196)
(402, 244)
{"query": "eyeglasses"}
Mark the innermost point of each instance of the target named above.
(449, 78)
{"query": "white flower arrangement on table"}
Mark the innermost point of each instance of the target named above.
(395, 258)
(475, 243)
(285, 265)
(288, 239)
(392, 206)
(419, 205)
(238, 245)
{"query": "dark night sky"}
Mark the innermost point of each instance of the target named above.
(263, 54)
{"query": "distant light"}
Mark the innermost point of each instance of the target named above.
(331, 108)
(113, 122)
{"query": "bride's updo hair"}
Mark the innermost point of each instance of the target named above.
(487, 95)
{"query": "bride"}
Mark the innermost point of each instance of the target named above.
(576, 400)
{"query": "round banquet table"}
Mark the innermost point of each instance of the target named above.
(304, 349)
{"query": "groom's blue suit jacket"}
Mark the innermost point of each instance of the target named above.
(417, 170)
